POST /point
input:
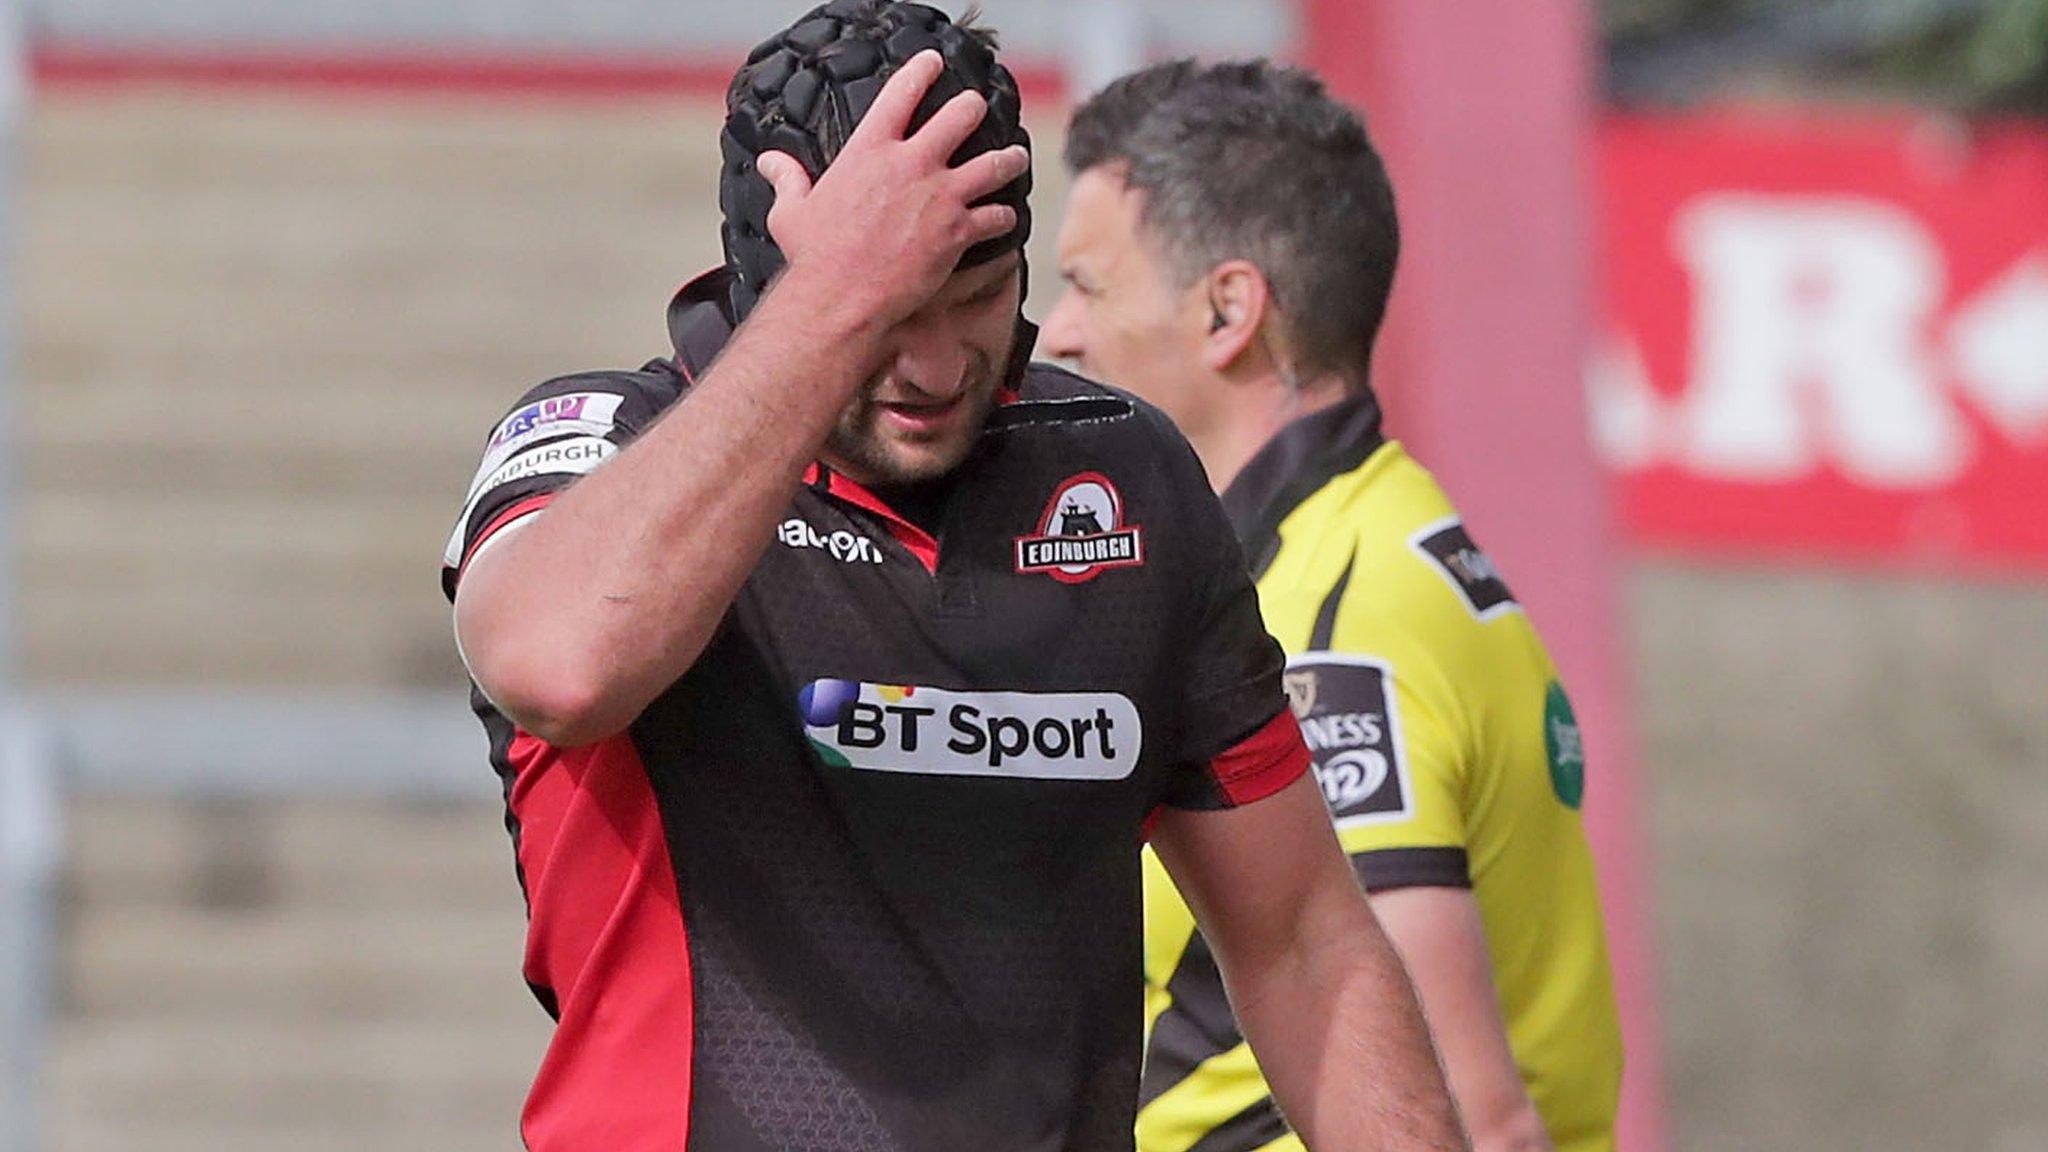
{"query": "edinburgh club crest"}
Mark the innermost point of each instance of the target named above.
(1081, 533)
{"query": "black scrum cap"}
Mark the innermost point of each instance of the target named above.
(802, 91)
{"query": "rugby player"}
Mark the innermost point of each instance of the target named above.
(1228, 249)
(836, 664)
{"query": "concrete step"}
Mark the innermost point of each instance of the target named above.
(303, 976)
(494, 1132)
(240, 1079)
(328, 528)
(129, 855)
(113, 631)
(418, 963)
(197, 911)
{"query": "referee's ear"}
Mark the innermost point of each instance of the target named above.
(1239, 303)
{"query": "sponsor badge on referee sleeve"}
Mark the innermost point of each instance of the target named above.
(1345, 704)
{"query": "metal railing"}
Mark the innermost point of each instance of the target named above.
(30, 838)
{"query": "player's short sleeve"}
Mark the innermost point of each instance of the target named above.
(1390, 762)
(1235, 741)
(563, 429)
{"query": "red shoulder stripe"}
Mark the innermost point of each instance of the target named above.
(518, 511)
(1263, 763)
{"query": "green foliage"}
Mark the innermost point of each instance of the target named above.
(2010, 49)
(1972, 55)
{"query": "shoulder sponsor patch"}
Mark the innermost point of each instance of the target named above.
(561, 457)
(590, 413)
(936, 732)
(1345, 705)
(1447, 547)
(576, 455)
(577, 414)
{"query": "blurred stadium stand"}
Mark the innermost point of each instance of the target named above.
(262, 336)
(1033, 28)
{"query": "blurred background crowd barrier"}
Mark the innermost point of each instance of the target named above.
(274, 268)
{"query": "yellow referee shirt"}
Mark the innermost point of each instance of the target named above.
(1449, 755)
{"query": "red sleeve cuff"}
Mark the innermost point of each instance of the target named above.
(1263, 763)
(502, 520)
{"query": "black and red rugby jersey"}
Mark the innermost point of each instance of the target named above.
(867, 877)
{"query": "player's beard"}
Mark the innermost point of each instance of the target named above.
(866, 445)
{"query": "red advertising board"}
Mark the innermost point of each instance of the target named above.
(1826, 335)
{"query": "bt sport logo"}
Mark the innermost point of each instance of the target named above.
(911, 728)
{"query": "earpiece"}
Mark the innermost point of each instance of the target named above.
(1216, 320)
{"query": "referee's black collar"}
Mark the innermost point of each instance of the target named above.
(1294, 465)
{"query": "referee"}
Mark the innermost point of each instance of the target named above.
(1228, 249)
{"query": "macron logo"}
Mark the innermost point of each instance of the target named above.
(843, 546)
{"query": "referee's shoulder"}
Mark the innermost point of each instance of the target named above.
(1389, 509)
(1419, 573)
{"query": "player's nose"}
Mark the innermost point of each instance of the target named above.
(930, 362)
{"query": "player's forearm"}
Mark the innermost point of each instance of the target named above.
(1337, 1030)
(604, 601)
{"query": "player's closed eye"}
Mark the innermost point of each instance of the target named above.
(983, 297)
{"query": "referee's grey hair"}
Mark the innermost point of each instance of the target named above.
(1253, 161)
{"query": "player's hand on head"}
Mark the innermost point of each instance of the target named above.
(890, 215)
